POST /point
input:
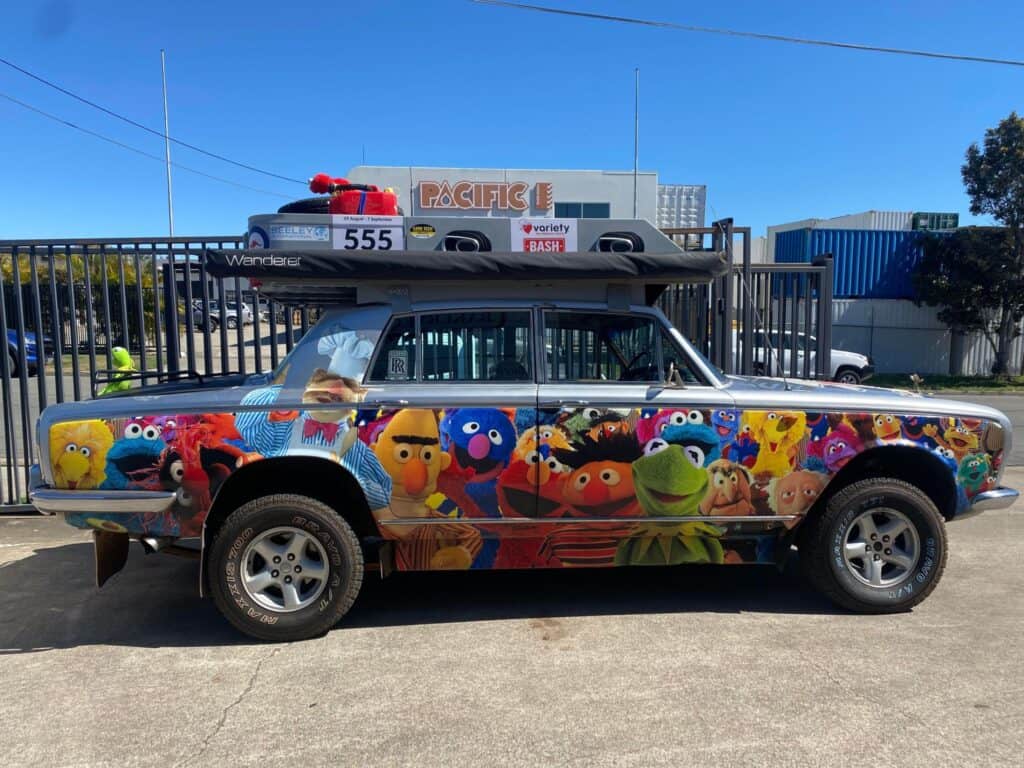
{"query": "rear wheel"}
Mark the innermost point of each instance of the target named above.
(232, 322)
(285, 567)
(879, 546)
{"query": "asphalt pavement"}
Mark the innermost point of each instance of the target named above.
(691, 666)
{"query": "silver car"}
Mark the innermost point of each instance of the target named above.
(511, 410)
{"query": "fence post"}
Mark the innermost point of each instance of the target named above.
(824, 351)
(173, 345)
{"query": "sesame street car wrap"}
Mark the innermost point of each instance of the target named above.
(484, 487)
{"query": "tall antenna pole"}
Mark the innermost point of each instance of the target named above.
(167, 146)
(636, 134)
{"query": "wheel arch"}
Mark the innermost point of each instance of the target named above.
(318, 478)
(915, 465)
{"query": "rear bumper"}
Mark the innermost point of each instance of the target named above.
(997, 498)
(53, 501)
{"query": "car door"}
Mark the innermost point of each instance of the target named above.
(456, 404)
(630, 447)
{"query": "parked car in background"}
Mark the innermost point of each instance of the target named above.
(264, 307)
(775, 359)
(212, 314)
(32, 356)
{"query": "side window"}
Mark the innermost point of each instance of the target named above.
(476, 346)
(396, 359)
(598, 346)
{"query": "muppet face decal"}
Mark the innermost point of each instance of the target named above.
(498, 488)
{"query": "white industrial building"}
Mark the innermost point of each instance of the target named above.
(526, 192)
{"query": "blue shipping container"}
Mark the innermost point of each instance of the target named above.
(868, 263)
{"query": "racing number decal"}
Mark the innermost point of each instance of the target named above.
(368, 239)
(368, 233)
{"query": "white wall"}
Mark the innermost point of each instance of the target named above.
(613, 187)
(903, 338)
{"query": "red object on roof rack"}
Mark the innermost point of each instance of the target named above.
(354, 199)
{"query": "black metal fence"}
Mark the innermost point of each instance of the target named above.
(66, 305)
(759, 319)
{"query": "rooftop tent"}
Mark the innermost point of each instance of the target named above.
(319, 276)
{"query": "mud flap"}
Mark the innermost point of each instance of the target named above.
(111, 550)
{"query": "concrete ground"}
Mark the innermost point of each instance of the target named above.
(683, 667)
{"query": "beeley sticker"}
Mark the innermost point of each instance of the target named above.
(534, 235)
(302, 233)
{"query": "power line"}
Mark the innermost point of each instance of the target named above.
(755, 35)
(137, 151)
(128, 120)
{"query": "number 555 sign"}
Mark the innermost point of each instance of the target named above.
(368, 233)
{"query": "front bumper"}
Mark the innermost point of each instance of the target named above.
(997, 498)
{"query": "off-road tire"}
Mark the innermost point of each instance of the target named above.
(307, 205)
(224, 563)
(822, 540)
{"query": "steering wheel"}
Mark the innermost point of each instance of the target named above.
(629, 373)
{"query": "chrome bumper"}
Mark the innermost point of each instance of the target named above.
(998, 498)
(52, 501)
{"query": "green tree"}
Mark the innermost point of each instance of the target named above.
(971, 275)
(993, 175)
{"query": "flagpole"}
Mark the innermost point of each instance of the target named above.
(636, 135)
(167, 146)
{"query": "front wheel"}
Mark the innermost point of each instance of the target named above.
(285, 567)
(879, 546)
(847, 376)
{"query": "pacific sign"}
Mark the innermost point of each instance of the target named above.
(466, 195)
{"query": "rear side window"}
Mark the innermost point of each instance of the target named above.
(456, 346)
(476, 346)
(396, 359)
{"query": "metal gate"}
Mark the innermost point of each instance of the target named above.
(66, 305)
(759, 319)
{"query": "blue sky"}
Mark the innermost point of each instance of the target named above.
(777, 132)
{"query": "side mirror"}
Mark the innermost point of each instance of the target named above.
(674, 379)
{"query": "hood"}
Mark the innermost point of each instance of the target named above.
(792, 394)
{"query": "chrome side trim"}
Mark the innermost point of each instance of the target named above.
(52, 501)
(682, 520)
(999, 498)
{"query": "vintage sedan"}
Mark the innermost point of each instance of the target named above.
(504, 411)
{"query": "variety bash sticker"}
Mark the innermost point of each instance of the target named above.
(534, 235)
(368, 233)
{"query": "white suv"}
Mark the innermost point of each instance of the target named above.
(847, 367)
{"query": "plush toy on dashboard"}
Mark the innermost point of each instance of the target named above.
(358, 199)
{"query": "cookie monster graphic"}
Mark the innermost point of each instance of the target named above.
(698, 439)
(480, 442)
(133, 460)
